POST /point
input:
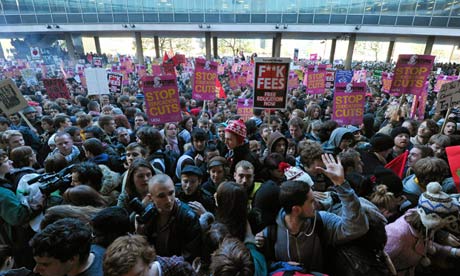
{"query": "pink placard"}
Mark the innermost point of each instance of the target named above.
(315, 79)
(441, 79)
(204, 80)
(245, 109)
(387, 78)
(348, 103)
(411, 73)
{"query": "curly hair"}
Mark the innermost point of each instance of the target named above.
(232, 258)
(310, 152)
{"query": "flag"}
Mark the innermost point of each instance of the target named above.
(220, 90)
(397, 164)
(453, 156)
(165, 57)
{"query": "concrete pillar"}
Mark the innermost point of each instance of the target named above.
(78, 44)
(215, 50)
(450, 56)
(207, 37)
(98, 45)
(276, 46)
(70, 46)
(2, 54)
(351, 47)
(390, 51)
(332, 54)
(156, 41)
(139, 50)
(429, 45)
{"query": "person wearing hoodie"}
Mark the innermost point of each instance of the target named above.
(340, 140)
(277, 143)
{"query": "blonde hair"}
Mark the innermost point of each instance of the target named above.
(384, 199)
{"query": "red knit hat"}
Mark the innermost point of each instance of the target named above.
(237, 127)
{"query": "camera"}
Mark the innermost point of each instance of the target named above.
(50, 183)
(145, 213)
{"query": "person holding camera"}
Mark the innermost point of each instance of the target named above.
(171, 226)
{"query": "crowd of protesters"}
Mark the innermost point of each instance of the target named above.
(89, 187)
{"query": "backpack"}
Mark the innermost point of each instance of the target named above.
(169, 158)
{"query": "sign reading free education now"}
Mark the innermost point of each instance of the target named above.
(448, 96)
(271, 82)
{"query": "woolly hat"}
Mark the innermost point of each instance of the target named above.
(237, 127)
(28, 110)
(398, 130)
(111, 220)
(436, 208)
(381, 142)
(295, 174)
(388, 178)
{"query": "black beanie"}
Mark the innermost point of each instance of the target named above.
(398, 130)
(388, 178)
(381, 142)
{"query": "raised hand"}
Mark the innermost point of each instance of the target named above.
(334, 170)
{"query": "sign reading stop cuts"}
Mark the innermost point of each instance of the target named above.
(161, 99)
(349, 99)
(271, 82)
(204, 80)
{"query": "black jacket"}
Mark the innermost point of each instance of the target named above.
(242, 152)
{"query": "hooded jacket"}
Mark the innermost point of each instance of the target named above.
(273, 139)
(306, 247)
(332, 146)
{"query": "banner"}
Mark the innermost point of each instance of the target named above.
(448, 96)
(29, 77)
(141, 70)
(168, 69)
(56, 88)
(244, 108)
(161, 99)
(411, 73)
(343, 76)
(96, 81)
(359, 76)
(330, 78)
(315, 79)
(233, 82)
(11, 99)
(115, 81)
(387, 78)
(417, 111)
(293, 81)
(348, 105)
(441, 79)
(156, 70)
(204, 80)
(270, 82)
(122, 70)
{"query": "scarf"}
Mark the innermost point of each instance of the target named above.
(173, 144)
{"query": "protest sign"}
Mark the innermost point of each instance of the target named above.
(313, 57)
(141, 70)
(56, 88)
(330, 78)
(156, 69)
(441, 79)
(343, 76)
(293, 81)
(168, 69)
(115, 81)
(35, 52)
(387, 78)
(348, 103)
(161, 99)
(220, 69)
(271, 82)
(296, 55)
(96, 81)
(204, 80)
(233, 82)
(11, 99)
(417, 111)
(97, 62)
(359, 76)
(448, 96)
(315, 79)
(244, 108)
(410, 74)
(30, 77)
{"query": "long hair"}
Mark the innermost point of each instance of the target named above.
(130, 188)
(83, 195)
(232, 204)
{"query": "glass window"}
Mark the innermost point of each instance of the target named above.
(424, 7)
(120, 5)
(258, 6)
(150, 6)
(390, 7)
(42, 6)
(196, 6)
(165, 5)
(57, 6)
(180, 5)
(373, 7)
(456, 10)
(10, 6)
(104, 6)
(88, 6)
(407, 7)
(26, 6)
(323, 7)
(290, 6)
(306, 6)
(73, 6)
(442, 7)
(274, 6)
(356, 7)
(340, 6)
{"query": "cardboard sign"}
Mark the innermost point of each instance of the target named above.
(411, 73)
(30, 77)
(330, 78)
(11, 99)
(204, 80)
(161, 99)
(313, 57)
(359, 76)
(441, 79)
(387, 78)
(141, 70)
(417, 111)
(168, 69)
(448, 96)
(315, 79)
(348, 105)
(156, 69)
(122, 70)
(271, 82)
(343, 76)
(293, 81)
(245, 109)
(96, 81)
(220, 69)
(115, 81)
(56, 88)
(97, 62)
(233, 82)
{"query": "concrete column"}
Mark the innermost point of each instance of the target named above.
(98, 45)
(351, 47)
(139, 50)
(2, 54)
(390, 51)
(207, 37)
(332, 54)
(78, 44)
(429, 45)
(276, 46)
(156, 41)
(215, 50)
(70, 46)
